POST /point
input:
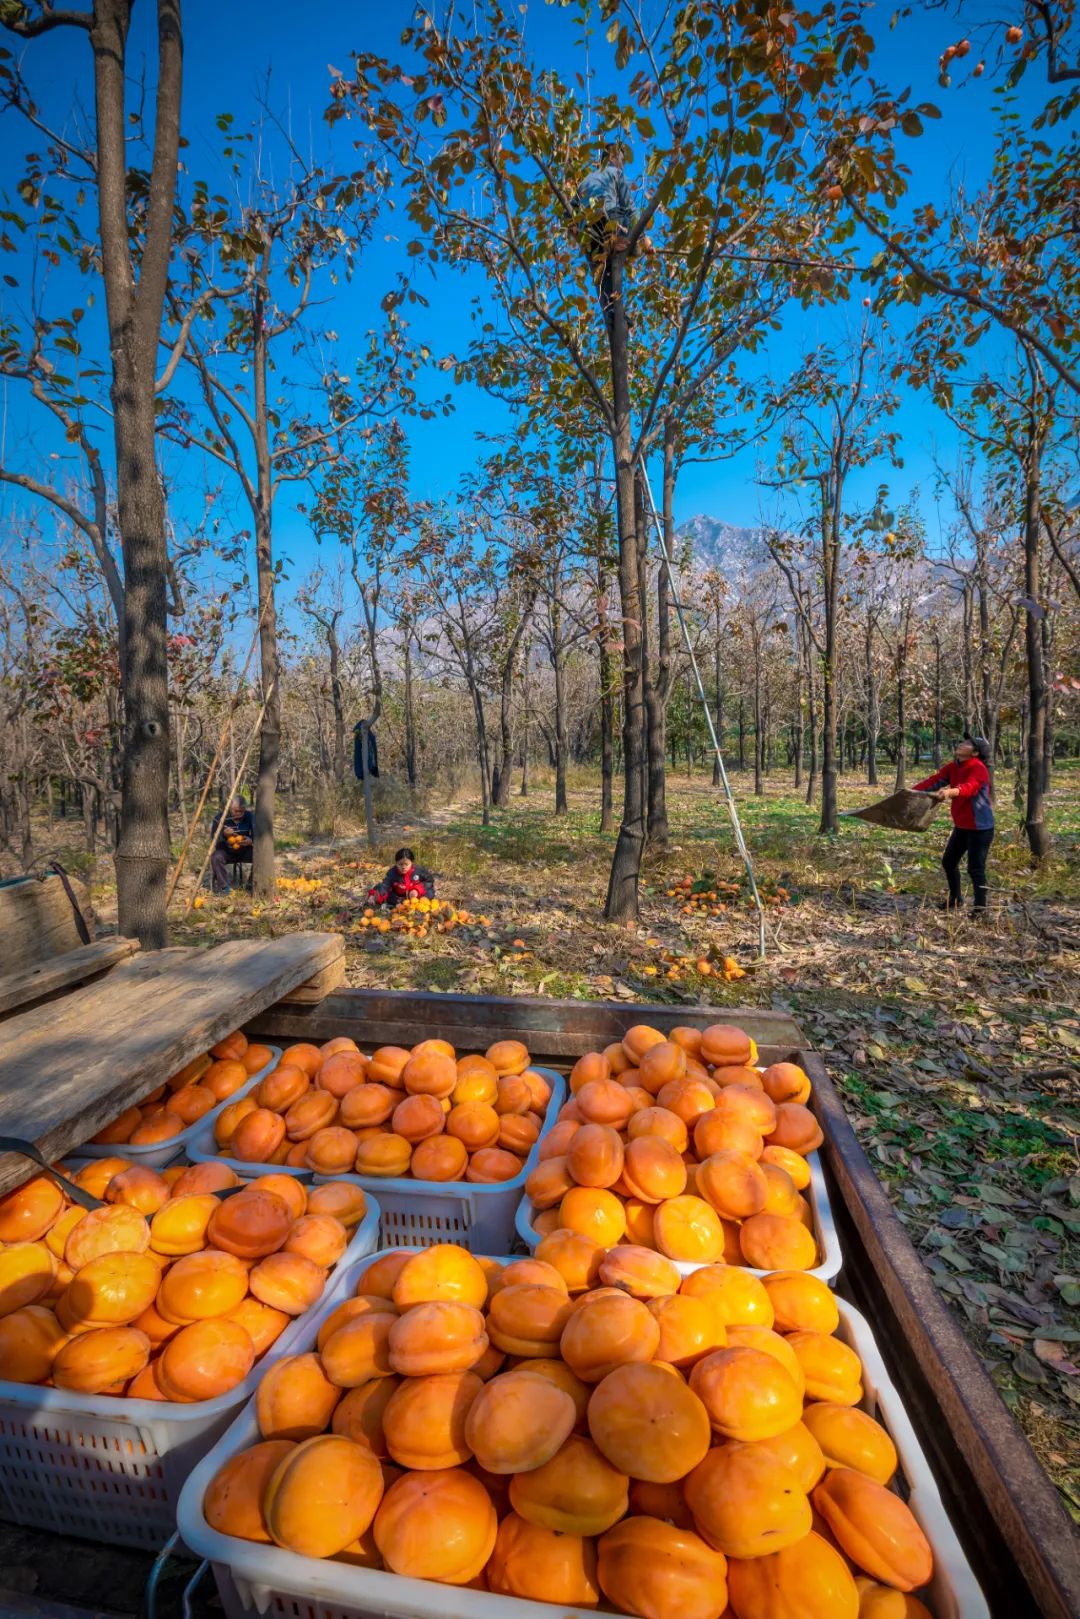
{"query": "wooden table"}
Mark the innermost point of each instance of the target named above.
(67, 1067)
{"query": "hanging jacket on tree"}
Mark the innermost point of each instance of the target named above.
(358, 753)
(417, 883)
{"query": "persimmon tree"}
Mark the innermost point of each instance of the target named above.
(492, 148)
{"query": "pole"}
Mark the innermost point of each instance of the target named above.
(232, 790)
(736, 827)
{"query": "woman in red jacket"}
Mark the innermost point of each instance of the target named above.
(965, 783)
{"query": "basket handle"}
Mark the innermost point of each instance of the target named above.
(26, 1149)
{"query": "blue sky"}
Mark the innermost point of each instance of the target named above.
(230, 48)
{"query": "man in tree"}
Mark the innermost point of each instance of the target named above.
(607, 205)
(965, 785)
(234, 840)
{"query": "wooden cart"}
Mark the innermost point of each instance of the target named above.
(114, 1039)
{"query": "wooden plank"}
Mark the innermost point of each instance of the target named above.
(37, 921)
(68, 1067)
(319, 987)
(1022, 1546)
(554, 1030)
(21, 989)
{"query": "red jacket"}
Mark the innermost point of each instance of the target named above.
(972, 811)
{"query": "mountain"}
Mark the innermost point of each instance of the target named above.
(720, 545)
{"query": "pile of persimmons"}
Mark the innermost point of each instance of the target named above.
(168, 1292)
(423, 1112)
(585, 1430)
(682, 1146)
(188, 1096)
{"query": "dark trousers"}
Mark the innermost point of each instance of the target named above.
(220, 861)
(976, 845)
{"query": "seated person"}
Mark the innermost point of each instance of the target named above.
(404, 880)
(234, 838)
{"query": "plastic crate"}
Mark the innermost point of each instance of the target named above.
(421, 1213)
(158, 1156)
(418, 1214)
(256, 1580)
(111, 1469)
(828, 1243)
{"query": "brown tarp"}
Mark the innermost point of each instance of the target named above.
(907, 811)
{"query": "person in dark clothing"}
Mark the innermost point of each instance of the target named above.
(965, 785)
(234, 838)
(403, 881)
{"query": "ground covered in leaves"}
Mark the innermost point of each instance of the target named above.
(956, 1043)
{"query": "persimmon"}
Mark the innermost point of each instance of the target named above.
(641, 1272)
(233, 1501)
(331, 1151)
(429, 1073)
(577, 1492)
(793, 1163)
(155, 1129)
(441, 1336)
(295, 1399)
(798, 1451)
(367, 1104)
(380, 1277)
(27, 1270)
(832, 1370)
(605, 1101)
(492, 1165)
(661, 1122)
(180, 1225)
(262, 1323)
(660, 1571)
(810, 1579)
(345, 1202)
(747, 1393)
(341, 1072)
(593, 1066)
(724, 1045)
(801, 1303)
(885, 1602)
(288, 1282)
(315, 1110)
(848, 1437)
(544, 1223)
(539, 1089)
(593, 1212)
(442, 1272)
(359, 1413)
(637, 1040)
(542, 1565)
(786, 1082)
(508, 1057)
(222, 1079)
(528, 1319)
(386, 1064)
(256, 1057)
(781, 1195)
(746, 1503)
(96, 1362)
(359, 1350)
(439, 1158)
(649, 1424)
(594, 1156)
(688, 1098)
(417, 1117)
(574, 1255)
(689, 1329)
(605, 1331)
(204, 1360)
(688, 1229)
(250, 1225)
(322, 1495)
(437, 1525)
(738, 1298)
(477, 1080)
(518, 1133)
(201, 1285)
(30, 1338)
(772, 1242)
(877, 1530)
(195, 1179)
(120, 1130)
(512, 1095)
(257, 1136)
(662, 1063)
(228, 1119)
(770, 1343)
(548, 1182)
(232, 1045)
(116, 1229)
(28, 1212)
(349, 1309)
(425, 1421)
(796, 1128)
(303, 1055)
(385, 1157)
(653, 1169)
(733, 1184)
(280, 1089)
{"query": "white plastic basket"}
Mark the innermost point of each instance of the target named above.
(255, 1580)
(421, 1213)
(828, 1243)
(418, 1214)
(158, 1155)
(112, 1469)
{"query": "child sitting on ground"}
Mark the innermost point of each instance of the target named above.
(403, 881)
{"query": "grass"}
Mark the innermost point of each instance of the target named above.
(954, 1044)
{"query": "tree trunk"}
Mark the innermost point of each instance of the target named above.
(759, 740)
(622, 895)
(830, 545)
(562, 807)
(410, 716)
(872, 720)
(262, 866)
(901, 728)
(1034, 816)
(937, 703)
(337, 697)
(719, 698)
(658, 690)
(742, 730)
(607, 694)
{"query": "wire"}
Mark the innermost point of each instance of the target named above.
(736, 825)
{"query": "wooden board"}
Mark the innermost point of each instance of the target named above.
(556, 1032)
(37, 921)
(22, 989)
(67, 1068)
(318, 988)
